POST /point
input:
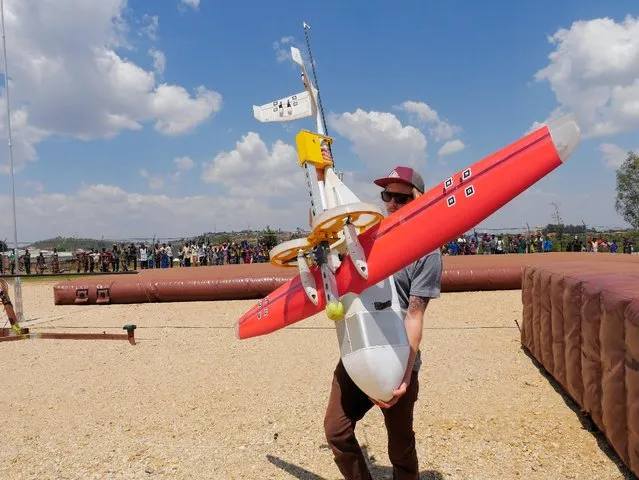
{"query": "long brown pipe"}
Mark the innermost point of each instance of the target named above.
(252, 281)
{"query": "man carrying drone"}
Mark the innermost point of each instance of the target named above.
(416, 284)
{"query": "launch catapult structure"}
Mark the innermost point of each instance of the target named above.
(17, 332)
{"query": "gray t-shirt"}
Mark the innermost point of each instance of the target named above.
(422, 278)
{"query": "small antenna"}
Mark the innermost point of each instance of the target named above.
(319, 97)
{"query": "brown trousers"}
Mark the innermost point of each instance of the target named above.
(347, 405)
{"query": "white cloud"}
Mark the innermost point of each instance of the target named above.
(177, 112)
(555, 114)
(24, 137)
(261, 185)
(251, 170)
(157, 181)
(273, 177)
(36, 186)
(533, 207)
(421, 112)
(282, 48)
(150, 27)
(183, 163)
(380, 140)
(365, 189)
(128, 214)
(450, 147)
(614, 155)
(159, 60)
(421, 109)
(67, 79)
(594, 72)
(195, 4)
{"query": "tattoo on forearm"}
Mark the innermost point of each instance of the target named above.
(417, 303)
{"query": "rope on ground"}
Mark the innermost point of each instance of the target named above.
(226, 327)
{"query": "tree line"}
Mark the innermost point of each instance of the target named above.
(268, 237)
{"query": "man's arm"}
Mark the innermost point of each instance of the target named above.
(414, 323)
(425, 284)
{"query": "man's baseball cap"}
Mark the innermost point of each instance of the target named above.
(402, 175)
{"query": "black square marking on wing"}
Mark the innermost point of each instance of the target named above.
(449, 183)
(451, 201)
(466, 174)
(470, 190)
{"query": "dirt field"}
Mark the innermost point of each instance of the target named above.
(189, 401)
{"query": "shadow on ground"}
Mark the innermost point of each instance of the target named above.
(379, 472)
(586, 422)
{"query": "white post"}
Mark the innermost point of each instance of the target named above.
(16, 283)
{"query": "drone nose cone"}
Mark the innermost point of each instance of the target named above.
(378, 370)
(374, 347)
(565, 134)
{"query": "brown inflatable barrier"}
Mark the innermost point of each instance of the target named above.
(467, 273)
(248, 281)
(224, 282)
(581, 322)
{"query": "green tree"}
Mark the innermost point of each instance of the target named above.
(223, 238)
(627, 202)
(269, 238)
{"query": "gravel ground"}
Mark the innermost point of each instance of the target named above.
(189, 401)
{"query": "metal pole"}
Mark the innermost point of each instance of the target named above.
(17, 283)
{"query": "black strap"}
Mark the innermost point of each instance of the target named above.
(382, 305)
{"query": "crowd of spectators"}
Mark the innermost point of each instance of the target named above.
(487, 244)
(25, 262)
(125, 257)
(122, 257)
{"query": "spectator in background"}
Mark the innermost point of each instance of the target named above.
(40, 264)
(628, 245)
(115, 258)
(169, 254)
(144, 257)
(27, 261)
(613, 247)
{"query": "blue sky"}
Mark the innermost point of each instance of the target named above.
(96, 137)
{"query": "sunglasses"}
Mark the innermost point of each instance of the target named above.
(400, 198)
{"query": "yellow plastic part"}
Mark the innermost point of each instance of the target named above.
(309, 148)
(285, 259)
(335, 311)
(281, 256)
(318, 236)
(288, 257)
(331, 226)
